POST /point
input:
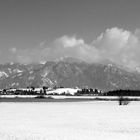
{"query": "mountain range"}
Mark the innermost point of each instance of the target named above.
(68, 73)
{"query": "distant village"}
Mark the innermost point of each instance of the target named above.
(50, 91)
(68, 91)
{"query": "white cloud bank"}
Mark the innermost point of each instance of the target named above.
(116, 45)
(119, 46)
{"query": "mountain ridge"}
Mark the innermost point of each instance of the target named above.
(68, 74)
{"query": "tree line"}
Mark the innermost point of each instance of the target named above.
(81, 92)
(122, 92)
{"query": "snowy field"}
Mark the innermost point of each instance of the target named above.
(94, 120)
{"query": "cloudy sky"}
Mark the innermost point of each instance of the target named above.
(92, 30)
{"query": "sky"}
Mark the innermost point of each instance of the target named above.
(92, 30)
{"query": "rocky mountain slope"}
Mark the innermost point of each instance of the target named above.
(68, 74)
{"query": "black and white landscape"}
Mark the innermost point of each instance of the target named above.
(69, 69)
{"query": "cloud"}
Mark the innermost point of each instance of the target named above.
(41, 44)
(13, 50)
(120, 46)
(29, 55)
(24, 59)
(116, 45)
(70, 41)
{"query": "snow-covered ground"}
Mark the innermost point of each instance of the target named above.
(62, 90)
(71, 97)
(97, 120)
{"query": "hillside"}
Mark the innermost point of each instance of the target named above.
(68, 74)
